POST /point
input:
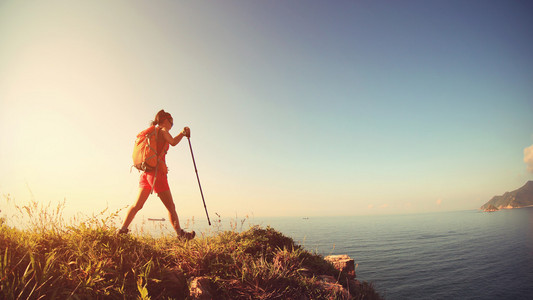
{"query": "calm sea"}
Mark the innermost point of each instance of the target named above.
(452, 255)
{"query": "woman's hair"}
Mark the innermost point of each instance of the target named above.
(160, 117)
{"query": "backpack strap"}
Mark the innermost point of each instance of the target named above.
(155, 177)
(157, 164)
(159, 156)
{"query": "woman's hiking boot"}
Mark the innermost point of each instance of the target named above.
(184, 235)
(123, 231)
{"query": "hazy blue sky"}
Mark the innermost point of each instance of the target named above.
(296, 107)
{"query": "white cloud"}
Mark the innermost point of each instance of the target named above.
(528, 158)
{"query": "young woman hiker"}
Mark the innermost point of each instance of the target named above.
(163, 120)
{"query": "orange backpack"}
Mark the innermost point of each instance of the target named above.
(145, 157)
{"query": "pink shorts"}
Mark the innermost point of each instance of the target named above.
(161, 182)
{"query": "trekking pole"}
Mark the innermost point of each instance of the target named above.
(197, 177)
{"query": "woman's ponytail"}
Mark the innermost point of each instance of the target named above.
(160, 117)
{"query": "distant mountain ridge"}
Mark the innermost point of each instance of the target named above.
(521, 197)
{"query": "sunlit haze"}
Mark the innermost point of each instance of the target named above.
(296, 108)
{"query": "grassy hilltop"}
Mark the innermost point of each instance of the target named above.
(49, 260)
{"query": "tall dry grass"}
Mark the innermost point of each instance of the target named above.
(53, 259)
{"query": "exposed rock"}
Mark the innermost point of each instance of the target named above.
(200, 289)
(343, 263)
(346, 265)
(521, 197)
(491, 208)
